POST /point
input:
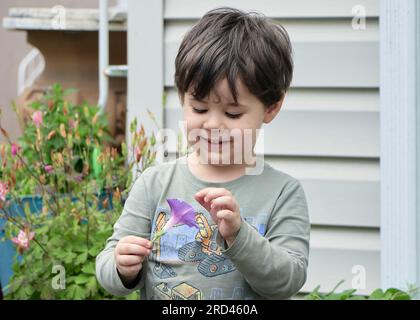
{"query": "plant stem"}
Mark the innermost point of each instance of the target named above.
(87, 216)
(55, 182)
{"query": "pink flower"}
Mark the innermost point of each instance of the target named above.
(137, 153)
(48, 168)
(4, 189)
(37, 118)
(14, 149)
(22, 240)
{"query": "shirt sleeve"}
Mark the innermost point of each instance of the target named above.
(275, 265)
(135, 220)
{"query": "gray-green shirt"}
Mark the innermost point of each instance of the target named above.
(268, 259)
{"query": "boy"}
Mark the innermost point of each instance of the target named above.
(252, 235)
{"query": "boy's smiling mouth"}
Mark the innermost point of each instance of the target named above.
(215, 141)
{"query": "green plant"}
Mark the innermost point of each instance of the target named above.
(378, 294)
(64, 158)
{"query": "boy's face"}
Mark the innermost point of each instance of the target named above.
(224, 133)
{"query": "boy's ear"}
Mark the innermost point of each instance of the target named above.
(272, 111)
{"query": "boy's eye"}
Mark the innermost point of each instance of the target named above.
(230, 115)
(199, 110)
(233, 116)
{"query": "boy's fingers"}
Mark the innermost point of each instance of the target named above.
(203, 192)
(206, 196)
(129, 260)
(200, 200)
(216, 193)
(129, 269)
(129, 248)
(223, 202)
(138, 241)
(225, 214)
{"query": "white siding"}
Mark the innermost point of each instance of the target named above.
(327, 134)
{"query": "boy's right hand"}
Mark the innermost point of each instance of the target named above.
(129, 255)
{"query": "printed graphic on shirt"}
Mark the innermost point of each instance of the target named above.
(187, 244)
(206, 251)
(183, 291)
(160, 270)
(218, 294)
(163, 271)
(259, 222)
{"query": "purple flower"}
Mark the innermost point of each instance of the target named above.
(48, 168)
(181, 213)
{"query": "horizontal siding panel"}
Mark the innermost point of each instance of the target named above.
(343, 203)
(332, 99)
(335, 251)
(307, 133)
(317, 64)
(333, 134)
(329, 266)
(298, 29)
(192, 9)
(327, 168)
(340, 192)
(336, 64)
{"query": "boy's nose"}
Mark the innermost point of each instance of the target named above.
(213, 122)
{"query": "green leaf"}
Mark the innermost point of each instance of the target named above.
(97, 168)
(79, 293)
(378, 294)
(89, 269)
(81, 258)
(28, 291)
(395, 294)
(124, 149)
(93, 252)
(82, 279)
(92, 286)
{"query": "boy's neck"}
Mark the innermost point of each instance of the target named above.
(214, 173)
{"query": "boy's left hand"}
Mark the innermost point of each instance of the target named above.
(224, 210)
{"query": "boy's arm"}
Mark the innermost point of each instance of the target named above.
(275, 265)
(135, 220)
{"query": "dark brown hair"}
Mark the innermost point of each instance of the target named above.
(230, 43)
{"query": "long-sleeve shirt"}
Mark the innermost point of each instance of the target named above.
(267, 260)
